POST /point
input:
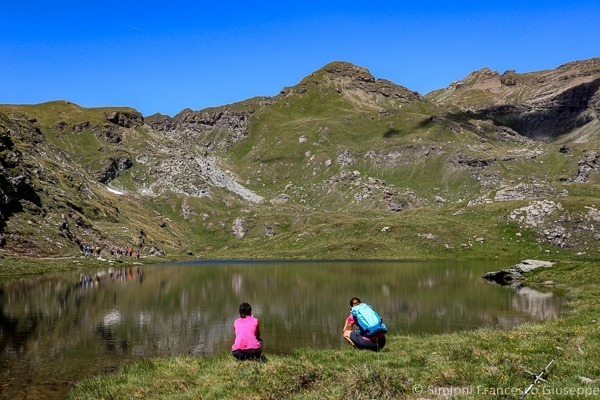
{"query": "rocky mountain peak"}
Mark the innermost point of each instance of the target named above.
(484, 73)
(484, 78)
(346, 69)
(351, 81)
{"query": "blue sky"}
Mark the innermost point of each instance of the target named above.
(167, 56)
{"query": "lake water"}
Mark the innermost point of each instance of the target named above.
(57, 329)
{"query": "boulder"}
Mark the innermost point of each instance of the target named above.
(280, 199)
(238, 227)
(512, 276)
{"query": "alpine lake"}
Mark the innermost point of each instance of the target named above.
(59, 328)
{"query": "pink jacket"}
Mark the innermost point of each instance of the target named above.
(246, 333)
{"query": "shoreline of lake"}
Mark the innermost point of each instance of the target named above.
(126, 312)
(15, 266)
(480, 362)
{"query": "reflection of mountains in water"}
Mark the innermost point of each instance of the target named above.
(538, 304)
(534, 303)
(447, 303)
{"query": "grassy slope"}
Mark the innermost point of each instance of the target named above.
(315, 223)
(328, 122)
(321, 219)
(470, 364)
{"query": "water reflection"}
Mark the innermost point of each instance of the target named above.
(94, 279)
(59, 328)
(541, 305)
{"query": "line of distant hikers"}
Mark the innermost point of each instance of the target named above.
(123, 251)
(363, 329)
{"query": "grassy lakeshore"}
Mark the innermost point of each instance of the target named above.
(14, 267)
(482, 364)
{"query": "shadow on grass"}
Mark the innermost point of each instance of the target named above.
(260, 359)
(390, 133)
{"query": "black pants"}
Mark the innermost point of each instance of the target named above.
(249, 354)
(366, 344)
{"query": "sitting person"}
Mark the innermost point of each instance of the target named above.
(360, 339)
(248, 344)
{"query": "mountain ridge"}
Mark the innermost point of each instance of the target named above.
(271, 176)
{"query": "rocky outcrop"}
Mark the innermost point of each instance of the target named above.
(524, 191)
(369, 190)
(111, 131)
(238, 228)
(474, 162)
(215, 128)
(512, 276)
(18, 176)
(78, 127)
(536, 214)
(114, 167)
(555, 225)
(478, 168)
(188, 175)
(510, 135)
(587, 166)
(108, 133)
(269, 232)
(125, 119)
(159, 122)
(280, 199)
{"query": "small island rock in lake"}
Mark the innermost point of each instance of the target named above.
(512, 276)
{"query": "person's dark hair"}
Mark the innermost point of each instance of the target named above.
(245, 310)
(354, 301)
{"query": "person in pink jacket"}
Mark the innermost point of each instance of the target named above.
(248, 344)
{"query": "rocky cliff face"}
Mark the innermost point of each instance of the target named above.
(540, 105)
(48, 197)
(213, 129)
(551, 117)
(16, 183)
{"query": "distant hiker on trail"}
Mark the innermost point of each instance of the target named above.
(248, 344)
(370, 332)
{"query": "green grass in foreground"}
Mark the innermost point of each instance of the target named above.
(483, 364)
